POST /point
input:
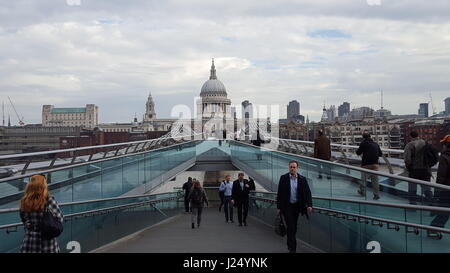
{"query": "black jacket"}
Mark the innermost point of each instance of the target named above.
(187, 188)
(370, 152)
(303, 193)
(239, 195)
(443, 173)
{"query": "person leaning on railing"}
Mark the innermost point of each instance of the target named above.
(32, 206)
(443, 178)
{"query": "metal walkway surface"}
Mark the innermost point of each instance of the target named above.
(175, 235)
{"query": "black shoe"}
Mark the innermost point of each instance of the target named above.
(240, 224)
(231, 221)
(328, 177)
(376, 197)
(198, 225)
(245, 223)
(361, 193)
(320, 176)
(193, 226)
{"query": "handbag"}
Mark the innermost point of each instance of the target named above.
(280, 225)
(50, 227)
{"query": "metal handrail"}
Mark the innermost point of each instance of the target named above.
(89, 162)
(359, 169)
(95, 201)
(396, 151)
(86, 148)
(97, 211)
(381, 204)
(359, 216)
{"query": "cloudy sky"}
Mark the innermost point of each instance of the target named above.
(112, 53)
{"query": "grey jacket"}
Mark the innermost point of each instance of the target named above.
(414, 155)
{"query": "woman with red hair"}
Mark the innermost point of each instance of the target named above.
(32, 206)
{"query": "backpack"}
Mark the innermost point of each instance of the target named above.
(431, 155)
(196, 196)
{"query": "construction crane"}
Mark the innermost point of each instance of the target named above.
(21, 123)
(432, 105)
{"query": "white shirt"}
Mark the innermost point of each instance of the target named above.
(242, 184)
(293, 198)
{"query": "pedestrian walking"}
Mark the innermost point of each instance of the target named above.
(36, 201)
(443, 178)
(227, 188)
(197, 199)
(370, 152)
(187, 188)
(417, 167)
(221, 196)
(240, 197)
(293, 198)
(322, 150)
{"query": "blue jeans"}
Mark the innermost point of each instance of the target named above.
(228, 206)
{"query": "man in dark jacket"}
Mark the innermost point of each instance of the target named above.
(187, 188)
(240, 192)
(293, 197)
(443, 178)
(322, 150)
(257, 142)
(417, 168)
(370, 153)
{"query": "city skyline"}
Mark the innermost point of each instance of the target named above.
(112, 55)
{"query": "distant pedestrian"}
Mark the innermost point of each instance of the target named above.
(240, 197)
(32, 207)
(415, 163)
(370, 152)
(322, 150)
(221, 196)
(257, 142)
(227, 188)
(293, 198)
(187, 188)
(197, 199)
(443, 178)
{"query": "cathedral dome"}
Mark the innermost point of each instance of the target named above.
(213, 87)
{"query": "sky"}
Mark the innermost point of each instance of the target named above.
(113, 53)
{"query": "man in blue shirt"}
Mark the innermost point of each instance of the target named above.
(227, 187)
(293, 197)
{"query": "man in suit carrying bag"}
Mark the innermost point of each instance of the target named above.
(293, 197)
(240, 192)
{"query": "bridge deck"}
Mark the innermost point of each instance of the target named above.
(214, 236)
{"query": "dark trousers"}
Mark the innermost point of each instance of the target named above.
(228, 208)
(221, 195)
(196, 213)
(242, 208)
(291, 217)
(424, 175)
(186, 204)
(443, 200)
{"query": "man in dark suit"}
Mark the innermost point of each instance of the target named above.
(187, 188)
(240, 192)
(293, 197)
